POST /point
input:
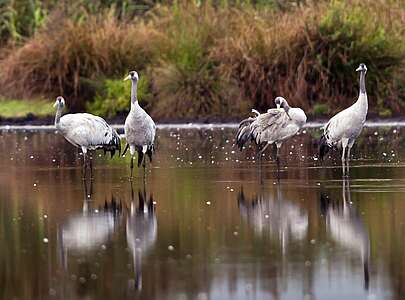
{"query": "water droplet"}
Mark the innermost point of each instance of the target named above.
(170, 248)
(45, 240)
(235, 233)
(208, 202)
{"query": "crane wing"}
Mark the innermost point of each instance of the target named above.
(90, 131)
(268, 127)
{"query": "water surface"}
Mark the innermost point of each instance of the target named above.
(208, 223)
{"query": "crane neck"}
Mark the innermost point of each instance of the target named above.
(362, 82)
(134, 92)
(58, 114)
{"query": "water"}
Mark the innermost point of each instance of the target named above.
(207, 224)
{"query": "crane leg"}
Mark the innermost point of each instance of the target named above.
(278, 160)
(344, 146)
(84, 151)
(91, 167)
(132, 166)
(84, 166)
(262, 150)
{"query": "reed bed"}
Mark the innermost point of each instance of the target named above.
(218, 61)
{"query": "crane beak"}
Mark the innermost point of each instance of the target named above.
(359, 69)
(55, 104)
(278, 106)
(127, 78)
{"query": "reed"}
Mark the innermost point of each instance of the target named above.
(219, 60)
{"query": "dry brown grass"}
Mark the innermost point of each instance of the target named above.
(64, 57)
(220, 61)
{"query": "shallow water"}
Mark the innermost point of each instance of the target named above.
(207, 224)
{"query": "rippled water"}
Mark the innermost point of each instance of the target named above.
(207, 224)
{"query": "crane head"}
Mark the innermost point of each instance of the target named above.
(362, 68)
(133, 75)
(281, 102)
(60, 102)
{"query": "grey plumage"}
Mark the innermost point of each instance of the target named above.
(342, 129)
(140, 130)
(86, 131)
(275, 126)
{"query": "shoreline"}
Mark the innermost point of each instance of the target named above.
(31, 120)
(196, 125)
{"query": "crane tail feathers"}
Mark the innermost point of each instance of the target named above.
(244, 133)
(113, 144)
(323, 147)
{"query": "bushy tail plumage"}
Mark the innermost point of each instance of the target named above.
(113, 145)
(244, 133)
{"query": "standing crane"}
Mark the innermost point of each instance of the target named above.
(342, 129)
(86, 131)
(275, 126)
(140, 130)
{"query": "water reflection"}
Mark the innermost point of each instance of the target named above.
(91, 228)
(141, 230)
(270, 213)
(210, 243)
(346, 227)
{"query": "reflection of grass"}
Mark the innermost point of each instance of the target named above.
(21, 108)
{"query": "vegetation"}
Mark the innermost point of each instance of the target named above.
(23, 108)
(205, 59)
(115, 99)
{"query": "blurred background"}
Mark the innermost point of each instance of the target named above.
(199, 60)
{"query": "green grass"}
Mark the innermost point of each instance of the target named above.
(22, 108)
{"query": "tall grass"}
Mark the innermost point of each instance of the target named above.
(69, 58)
(218, 60)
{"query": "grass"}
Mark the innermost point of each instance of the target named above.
(23, 108)
(216, 60)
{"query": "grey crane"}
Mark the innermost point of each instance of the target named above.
(140, 130)
(86, 131)
(275, 126)
(342, 129)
